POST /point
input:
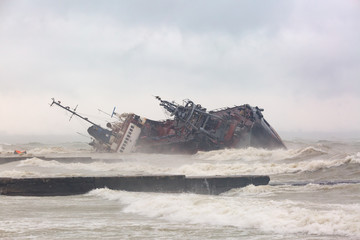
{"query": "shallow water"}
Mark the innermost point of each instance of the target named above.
(314, 193)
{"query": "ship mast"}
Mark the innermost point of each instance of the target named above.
(72, 111)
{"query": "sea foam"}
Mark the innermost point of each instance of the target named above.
(239, 167)
(252, 154)
(198, 168)
(283, 216)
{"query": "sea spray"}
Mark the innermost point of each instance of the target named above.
(270, 168)
(281, 210)
(175, 165)
(253, 154)
(282, 217)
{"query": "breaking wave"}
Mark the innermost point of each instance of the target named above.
(35, 166)
(252, 154)
(264, 168)
(38, 167)
(355, 158)
(55, 150)
(18, 174)
(284, 216)
(39, 149)
(271, 190)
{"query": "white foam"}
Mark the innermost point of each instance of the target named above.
(195, 169)
(282, 216)
(260, 168)
(97, 166)
(38, 163)
(18, 174)
(355, 158)
(270, 190)
(252, 154)
(45, 150)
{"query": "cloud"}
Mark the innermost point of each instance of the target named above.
(286, 55)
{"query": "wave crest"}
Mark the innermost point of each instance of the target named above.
(284, 216)
(268, 168)
(252, 154)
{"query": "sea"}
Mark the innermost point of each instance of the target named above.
(314, 193)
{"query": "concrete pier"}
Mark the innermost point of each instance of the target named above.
(161, 183)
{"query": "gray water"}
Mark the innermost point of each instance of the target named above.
(314, 193)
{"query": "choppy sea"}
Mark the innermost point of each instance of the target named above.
(314, 193)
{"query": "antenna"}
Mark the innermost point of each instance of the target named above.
(103, 112)
(72, 111)
(110, 115)
(83, 135)
(113, 112)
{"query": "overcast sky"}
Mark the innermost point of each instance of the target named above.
(299, 60)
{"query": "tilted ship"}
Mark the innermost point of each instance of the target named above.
(190, 128)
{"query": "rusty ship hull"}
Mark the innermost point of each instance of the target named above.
(190, 128)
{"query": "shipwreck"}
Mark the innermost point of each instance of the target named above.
(189, 129)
